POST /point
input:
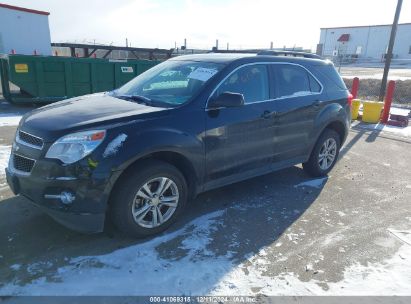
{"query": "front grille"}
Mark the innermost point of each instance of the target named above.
(30, 139)
(22, 163)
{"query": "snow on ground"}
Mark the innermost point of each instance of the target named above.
(315, 183)
(9, 119)
(406, 132)
(391, 277)
(197, 270)
(4, 158)
(400, 111)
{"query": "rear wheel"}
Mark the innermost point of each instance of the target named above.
(324, 155)
(149, 200)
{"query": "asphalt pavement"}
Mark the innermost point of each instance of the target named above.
(314, 231)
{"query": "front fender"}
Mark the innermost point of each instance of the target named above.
(136, 146)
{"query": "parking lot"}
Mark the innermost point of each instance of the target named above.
(280, 234)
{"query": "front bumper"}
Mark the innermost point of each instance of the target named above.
(86, 213)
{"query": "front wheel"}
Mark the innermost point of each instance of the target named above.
(149, 200)
(324, 155)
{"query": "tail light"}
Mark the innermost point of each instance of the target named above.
(349, 100)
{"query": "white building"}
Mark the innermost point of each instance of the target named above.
(368, 42)
(24, 31)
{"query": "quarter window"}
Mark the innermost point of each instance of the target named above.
(294, 81)
(314, 85)
(251, 81)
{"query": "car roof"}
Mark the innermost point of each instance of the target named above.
(245, 57)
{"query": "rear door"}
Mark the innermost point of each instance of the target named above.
(298, 101)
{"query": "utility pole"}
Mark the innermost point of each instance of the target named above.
(271, 45)
(216, 44)
(389, 51)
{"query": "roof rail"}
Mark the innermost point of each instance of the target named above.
(289, 53)
(235, 51)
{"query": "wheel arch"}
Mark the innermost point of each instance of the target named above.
(178, 160)
(335, 125)
(339, 128)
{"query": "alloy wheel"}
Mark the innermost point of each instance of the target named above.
(155, 202)
(327, 154)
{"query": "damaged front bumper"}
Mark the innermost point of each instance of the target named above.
(76, 196)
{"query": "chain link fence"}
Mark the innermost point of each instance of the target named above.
(370, 89)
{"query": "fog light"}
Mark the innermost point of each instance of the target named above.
(65, 197)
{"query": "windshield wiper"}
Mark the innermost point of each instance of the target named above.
(138, 98)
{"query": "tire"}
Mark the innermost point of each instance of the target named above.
(137, 199)
(316, 167)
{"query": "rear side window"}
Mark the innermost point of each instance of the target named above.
(250, 80)
(328, 71)
(292, 80)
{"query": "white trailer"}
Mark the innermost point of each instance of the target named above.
(24, 31)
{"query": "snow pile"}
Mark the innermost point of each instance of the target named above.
(9, 119)
(4, 158)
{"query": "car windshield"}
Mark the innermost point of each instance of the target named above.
(171, 83)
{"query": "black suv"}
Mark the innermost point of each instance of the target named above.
(188, 125)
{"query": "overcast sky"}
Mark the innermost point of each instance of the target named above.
(241, 23)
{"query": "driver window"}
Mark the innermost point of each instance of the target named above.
(251, 81)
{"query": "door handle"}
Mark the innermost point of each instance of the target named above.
(316, 104)
(268, 114)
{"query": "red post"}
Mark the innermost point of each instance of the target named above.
(94, 55)
(355, 87)
(13, 51)
(388, 100)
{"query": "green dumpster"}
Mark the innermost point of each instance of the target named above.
(45, 79)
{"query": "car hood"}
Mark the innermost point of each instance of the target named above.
(84, 112)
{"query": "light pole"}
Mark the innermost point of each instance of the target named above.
(389, 51)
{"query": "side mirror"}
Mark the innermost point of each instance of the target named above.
(227, 100)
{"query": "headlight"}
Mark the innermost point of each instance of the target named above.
(75, 146)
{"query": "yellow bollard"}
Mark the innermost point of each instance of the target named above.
(372, 111)
(356, 103)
